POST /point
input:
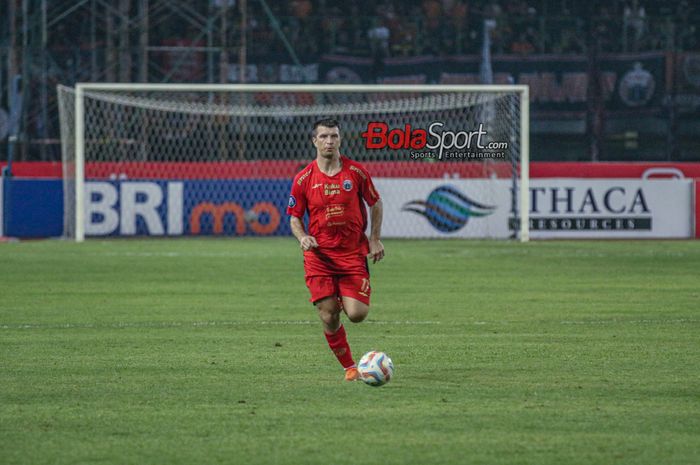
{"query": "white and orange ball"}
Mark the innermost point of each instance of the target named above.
(375, 368)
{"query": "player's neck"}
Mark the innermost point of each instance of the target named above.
(329, 166)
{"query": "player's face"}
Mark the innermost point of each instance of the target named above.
(327, 141)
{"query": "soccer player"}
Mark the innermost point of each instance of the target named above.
(333, 190)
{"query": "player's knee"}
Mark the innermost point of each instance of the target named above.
(328, 311)
(358, 314)
(328, 318)
(357, 317)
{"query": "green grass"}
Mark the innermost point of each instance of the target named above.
(207, 351)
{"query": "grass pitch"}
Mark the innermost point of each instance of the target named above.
(207, 351)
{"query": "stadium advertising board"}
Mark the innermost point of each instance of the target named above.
(414, 207)
(559, 208)
(32, 207)
(173, 208)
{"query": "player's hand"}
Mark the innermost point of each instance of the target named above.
(376, 250)
(308, 243)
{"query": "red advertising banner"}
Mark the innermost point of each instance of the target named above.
(282, 169)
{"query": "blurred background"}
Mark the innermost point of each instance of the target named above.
(609, 81)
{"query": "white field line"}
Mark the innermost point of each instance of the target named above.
(198, 324)
(231, 323)
(630, 322)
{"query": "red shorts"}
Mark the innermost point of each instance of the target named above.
(348, 285)
(339, 273)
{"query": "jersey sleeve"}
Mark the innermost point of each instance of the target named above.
(297, 198)
(367, 189)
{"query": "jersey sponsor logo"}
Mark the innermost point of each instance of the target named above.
(292, 202)
(347, 185)
(303, 176)
(334, 210)
(359, 171)
(331, 189)
(318, 184)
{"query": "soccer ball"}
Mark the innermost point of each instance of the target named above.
(375, 368)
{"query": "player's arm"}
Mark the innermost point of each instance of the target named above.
(305, 241)
(296, 209)
(376, 248)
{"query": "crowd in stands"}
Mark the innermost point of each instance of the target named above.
(444, 27)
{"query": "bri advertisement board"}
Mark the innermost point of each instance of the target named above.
(174, 208)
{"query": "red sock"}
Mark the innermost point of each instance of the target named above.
(338, 342)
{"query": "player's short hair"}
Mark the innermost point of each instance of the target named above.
(326, 123)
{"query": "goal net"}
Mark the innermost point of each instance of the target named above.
(164, 159)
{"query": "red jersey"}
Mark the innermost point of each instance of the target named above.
(337, 213)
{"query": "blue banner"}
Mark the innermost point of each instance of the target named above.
(33, 208)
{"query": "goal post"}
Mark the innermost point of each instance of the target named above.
(79, 194)
(524, 213)
(433, 140)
